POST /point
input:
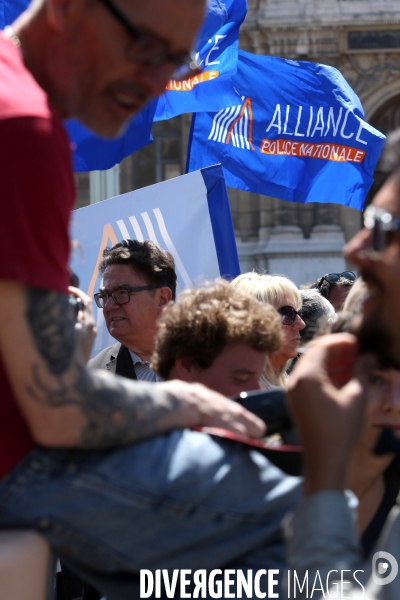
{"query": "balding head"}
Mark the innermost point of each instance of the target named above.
(100, 67)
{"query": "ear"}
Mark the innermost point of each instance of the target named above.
(185, 369)
(164, 297)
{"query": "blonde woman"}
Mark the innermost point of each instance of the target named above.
(285, 297)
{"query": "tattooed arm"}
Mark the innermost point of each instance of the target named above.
(65, 405)
(85, 326)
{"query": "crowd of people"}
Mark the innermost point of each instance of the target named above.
(242, 336)
(114, 461)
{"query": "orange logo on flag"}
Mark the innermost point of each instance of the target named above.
(189, 84)
(325, 151)
(234, 125)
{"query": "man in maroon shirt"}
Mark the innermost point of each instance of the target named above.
(64, 58)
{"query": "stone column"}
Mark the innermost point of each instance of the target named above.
(307, 218)
(328, 219)
(245, 213)
(285, 220)
(266, 217)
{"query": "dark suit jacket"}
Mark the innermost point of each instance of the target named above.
(115, 359)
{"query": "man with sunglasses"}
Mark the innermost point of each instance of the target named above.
(327, 398)
(139, 280)
(335, 287)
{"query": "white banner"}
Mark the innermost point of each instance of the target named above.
(189, 216)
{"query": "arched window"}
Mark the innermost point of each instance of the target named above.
(385, 119)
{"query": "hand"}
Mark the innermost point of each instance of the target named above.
(201, 407)
(326, 394)
(85, 325)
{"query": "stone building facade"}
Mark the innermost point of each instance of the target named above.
(361, 38)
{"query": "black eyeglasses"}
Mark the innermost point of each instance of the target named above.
(335, 277)
(288, 314)
(121, 296)
(381, 223)
(149, 49)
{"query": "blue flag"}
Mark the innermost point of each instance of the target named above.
(10, 10)
(211, 90)
(91, 152)
(297, 133)
(217, 45)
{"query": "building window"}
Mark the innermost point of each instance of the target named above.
(156, 162)
(82, 190)
(374, 40)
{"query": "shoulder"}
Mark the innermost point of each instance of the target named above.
(32, 137)
(20, 94)
(28, 123)
(104, 357)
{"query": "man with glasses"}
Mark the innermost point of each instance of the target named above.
(139, 280)
(327, 397)
(335, 287)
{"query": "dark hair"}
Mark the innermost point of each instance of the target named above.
(324, 287)
(155, 266)
(316, 312)
(203, 322)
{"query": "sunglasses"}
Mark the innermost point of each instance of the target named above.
(288, 314)
(148, 49)
(381, 223)
(335, 277)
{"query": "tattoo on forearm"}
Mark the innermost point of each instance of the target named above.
(117, 411)
(50, 317)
